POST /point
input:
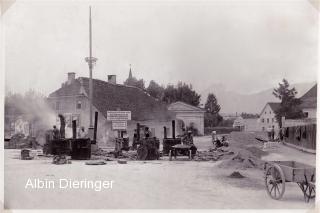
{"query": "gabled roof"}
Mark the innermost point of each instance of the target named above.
(110, 97)
(309, 99)
(273, 105)
(182, 106)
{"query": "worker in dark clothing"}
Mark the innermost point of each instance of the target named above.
(55, 133)
(147, 132)
(62, 126)
(188, 140)
(272, 133)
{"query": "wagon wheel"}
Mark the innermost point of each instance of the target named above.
(275, 182)
(142, 152)
(170, 155)
(308, 191)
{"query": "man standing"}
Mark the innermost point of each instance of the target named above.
(82, 133)
(55, 133)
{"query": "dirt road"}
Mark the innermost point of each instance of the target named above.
(152, 184)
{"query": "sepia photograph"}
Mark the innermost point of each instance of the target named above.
(172, 104)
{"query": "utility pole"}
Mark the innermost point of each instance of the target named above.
(91, 62)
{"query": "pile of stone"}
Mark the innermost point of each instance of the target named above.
(213, 154)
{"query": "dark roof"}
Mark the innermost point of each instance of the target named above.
(110, 97)
(274, 105)
(309, 99)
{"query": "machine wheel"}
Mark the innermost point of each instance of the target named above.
(275, 182)
(170, 155)
(142, 152)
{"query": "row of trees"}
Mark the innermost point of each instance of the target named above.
(180, 92)
(169, 94)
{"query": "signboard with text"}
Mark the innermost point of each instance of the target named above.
(119, 125)
(118, 115)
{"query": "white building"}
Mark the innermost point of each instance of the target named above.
(190, 115)
(309, 102)
(267, 118)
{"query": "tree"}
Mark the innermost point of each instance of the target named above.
(135, 83)
(181, 92)
(212, 105)
(155, 90)
(212, 117)
(289, 106)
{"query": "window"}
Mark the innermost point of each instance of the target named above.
(265, 112)
(78, 105)
(272, 120)
(262, 128)
(262, 120)
(57, 105)
(267, 120)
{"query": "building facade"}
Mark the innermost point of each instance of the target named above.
(71, 100)
(190, 115)
(267, 117)
(309, 102)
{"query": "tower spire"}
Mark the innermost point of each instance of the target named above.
(130, 73)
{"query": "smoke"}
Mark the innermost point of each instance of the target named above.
(32, 107)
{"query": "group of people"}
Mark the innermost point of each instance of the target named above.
(59, 134)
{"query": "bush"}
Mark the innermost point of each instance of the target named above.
(219, 130)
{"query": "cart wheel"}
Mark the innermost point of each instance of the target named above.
(190, 155)
(311, 191)
(308, 191)
(275, 182)
(170, 155)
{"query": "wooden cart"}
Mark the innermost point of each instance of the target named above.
(180, 148)
(277, 173)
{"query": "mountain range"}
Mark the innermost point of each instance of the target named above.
(232, 102)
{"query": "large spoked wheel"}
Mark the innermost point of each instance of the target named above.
(308, 190)
(275, 182)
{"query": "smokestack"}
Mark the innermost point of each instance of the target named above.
(74, 129)
(138, 131)
(71, 77)
(173, 129)
(112, 79)
(95, 126)
(164, 132)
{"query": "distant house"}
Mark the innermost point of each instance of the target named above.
(309, 102)
(267, 116)
(189, 114)
(239, 123)
(72, 101)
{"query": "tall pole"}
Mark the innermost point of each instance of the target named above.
(90, 66)
(91, 61)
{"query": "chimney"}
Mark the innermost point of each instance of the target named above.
(71, 77)
(112, 79)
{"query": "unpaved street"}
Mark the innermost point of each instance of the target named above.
(149, 184)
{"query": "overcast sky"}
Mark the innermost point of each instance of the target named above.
(246, 45)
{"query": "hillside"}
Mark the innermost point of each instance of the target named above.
(232, 102)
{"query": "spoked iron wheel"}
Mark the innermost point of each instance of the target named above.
(308, 191)
(275, 182)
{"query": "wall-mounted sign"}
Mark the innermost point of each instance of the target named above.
(118, 115)
(119, 125)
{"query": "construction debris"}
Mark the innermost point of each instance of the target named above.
(236, 175)
(25, 154)
(122, 161)
(60, 159)
(95, 162)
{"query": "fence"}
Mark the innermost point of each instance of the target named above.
(302, 135)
